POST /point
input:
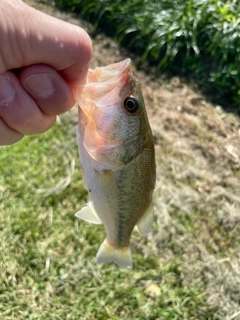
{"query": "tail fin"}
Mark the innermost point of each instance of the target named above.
(121, 256)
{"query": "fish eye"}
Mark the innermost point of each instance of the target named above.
(131, 104)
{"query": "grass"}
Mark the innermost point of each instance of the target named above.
(48, 268)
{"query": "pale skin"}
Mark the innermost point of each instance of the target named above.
(41, 60)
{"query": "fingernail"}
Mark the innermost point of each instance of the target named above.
(7, 92)
(39, 85)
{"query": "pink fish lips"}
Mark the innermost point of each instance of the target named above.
(117, 156)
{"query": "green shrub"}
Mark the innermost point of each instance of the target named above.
(175, 33)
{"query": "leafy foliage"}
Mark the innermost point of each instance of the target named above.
(176, 34)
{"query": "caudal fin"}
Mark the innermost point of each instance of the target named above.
(121, 256)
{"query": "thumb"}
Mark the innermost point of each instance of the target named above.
(28, 37)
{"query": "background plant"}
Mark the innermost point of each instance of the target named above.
(197, 36)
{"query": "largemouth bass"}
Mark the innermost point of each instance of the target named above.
(117, 157)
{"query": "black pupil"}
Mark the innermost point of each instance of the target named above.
(131, 104)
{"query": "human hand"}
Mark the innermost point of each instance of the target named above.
(41, 58)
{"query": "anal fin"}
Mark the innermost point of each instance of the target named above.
(144, 225)
(89, 214)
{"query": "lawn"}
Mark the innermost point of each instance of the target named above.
(48, 268)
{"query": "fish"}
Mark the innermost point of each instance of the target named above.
(117, 157)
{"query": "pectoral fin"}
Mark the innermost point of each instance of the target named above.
(144, 225)
(89, 214)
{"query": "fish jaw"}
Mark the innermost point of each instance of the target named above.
(110, 72)
(103, 86)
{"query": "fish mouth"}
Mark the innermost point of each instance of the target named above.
(104, 84)
(110, 72)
